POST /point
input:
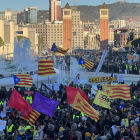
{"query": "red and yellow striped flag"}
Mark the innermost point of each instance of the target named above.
(89, 65)
(118, 91)
(45, 68)
(25, 80)
(60, 50)
(32, 117)
(82, 105)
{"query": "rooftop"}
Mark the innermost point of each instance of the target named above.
(67, 6)
(104, 6)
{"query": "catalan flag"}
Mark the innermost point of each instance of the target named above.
(85, 63)
(22, 80)
(32, 117)
(82, 105)
(78, 76)
(45, 68)
(130, 57)
(58, 49)
(110, 79)
(118, 91)
(122, 108)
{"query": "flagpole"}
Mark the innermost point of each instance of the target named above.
(48, 79)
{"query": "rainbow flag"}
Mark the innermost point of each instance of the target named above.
(118, 91)
(45, 68)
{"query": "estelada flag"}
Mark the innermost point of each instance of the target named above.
(102, 99)
(32, 117)
(118, 91)
(22, 80)
(58, 49)
(82, 105)
(71, 93)
(85, 63)
(45, 68)
(17, 102)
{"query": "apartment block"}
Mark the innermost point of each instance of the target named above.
(52, 32)
(77, 30)
(8, 15)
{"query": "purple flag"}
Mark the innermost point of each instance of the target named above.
(44, 105)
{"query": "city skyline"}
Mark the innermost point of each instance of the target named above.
(44, 5)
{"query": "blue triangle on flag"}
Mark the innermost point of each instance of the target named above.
(16, 79)
(81, 61)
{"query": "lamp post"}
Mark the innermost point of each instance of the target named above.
(70, 45)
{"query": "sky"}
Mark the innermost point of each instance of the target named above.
(20, 5)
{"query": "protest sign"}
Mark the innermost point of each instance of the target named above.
(120, 78)
(29, 92)
(126, 122)
(2, 125)
(75, 81)
(56, 86)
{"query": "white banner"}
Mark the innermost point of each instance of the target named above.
(2, 125)
(75, 81)
(56, 86)
(101, 62)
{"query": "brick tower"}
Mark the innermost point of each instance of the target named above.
(59, 10)
(67, 27)
(104, 16)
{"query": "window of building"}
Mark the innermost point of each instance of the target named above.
(66, 12)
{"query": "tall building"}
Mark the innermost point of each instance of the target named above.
(59, 10)
(52, 10)
(30, 15)
(67, 27)
(77, 30)
(104, 16)
(9, 15)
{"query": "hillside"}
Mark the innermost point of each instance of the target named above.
(121, 10)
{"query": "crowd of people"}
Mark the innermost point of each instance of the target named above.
(70, 124)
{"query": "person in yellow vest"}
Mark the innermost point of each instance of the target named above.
(29, 98)
(22, 125)
(130, 69)
(10, 129)
(33, 130)
(135, 69)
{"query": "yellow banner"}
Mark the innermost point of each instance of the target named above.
(102, 99)
(126, 122)
(100, 79)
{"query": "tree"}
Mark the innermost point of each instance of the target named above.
(40, 43)
(19, 38)
(136, 42)
(1, 42)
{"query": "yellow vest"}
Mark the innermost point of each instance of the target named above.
(1, 103)
(10, 128)
(30, 98)
(58, 107)
(28, 127)
(34, 133)
(75, 116)
(21, 127)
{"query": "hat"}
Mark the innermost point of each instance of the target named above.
(122, 123)
(123, 126)
(108, 136)
(103, 137)
(50, 126)
(87, 134)
(78, 133)
(60, 133)
(84, 118)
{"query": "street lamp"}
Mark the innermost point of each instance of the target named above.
(70, 44)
